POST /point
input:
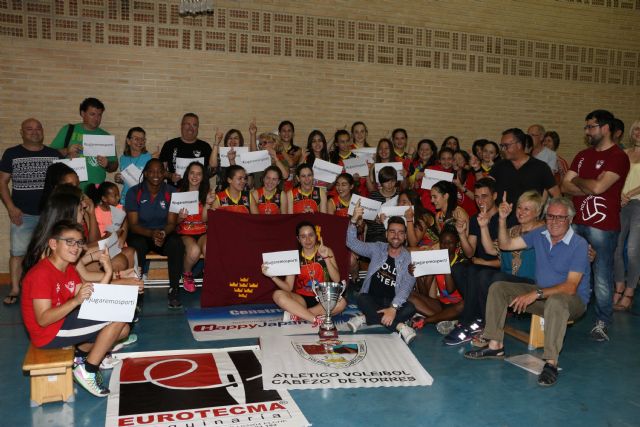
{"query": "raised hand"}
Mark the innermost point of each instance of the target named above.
(358, 212)
(483, 218)
(218, 136)
(505, 208)
(156, 154)
(253, 129)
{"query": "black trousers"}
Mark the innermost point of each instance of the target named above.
(369, 305)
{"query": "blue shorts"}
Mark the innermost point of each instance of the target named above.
(76, 331)
(21, 234)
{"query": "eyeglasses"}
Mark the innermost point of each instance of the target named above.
(591, 126)
(73, 242)
(558, 218)
(506, 146)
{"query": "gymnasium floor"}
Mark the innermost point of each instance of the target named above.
(599, 384)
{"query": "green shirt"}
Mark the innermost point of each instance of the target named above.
(95, 172)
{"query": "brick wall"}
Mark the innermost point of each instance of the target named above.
(469, 69)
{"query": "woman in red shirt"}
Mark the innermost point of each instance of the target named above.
(234, 198)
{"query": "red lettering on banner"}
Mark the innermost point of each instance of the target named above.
(237, 410)
(124, 422)
(165, 418)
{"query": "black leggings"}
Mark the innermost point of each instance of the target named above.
(173, 249)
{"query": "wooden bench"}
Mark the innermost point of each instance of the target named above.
(51, 374)
(535, 337)
(159, 277)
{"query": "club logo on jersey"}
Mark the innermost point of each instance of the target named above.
(592, 209)
(599, 164)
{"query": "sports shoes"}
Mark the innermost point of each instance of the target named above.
(109, 362)
(92, 382)
(417, 321)
(132, 338)
(78, 360)
(459, 335)
(599, 331)
(476, 327)
(288, 317)
(188, 283)
(356, 322)
(407, 333)
(446, 326)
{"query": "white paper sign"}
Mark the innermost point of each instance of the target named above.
(224, 154)
(371, 207)
(254, 161)
(390, 211)
(368, 153)
(117, 216)
(356, 165)
(98, 145)
(391, 202)
(183, 163)
(282, 263)
(325, 171)
(431, 262)
(79, 165)
(431, 177)
(110, 242)
(185, 200)
(131, 175)
(110, 303)
(396, 165)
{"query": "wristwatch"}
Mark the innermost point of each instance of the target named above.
(540, 294)
(396, 306)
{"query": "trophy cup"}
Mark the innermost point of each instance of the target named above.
(328, 294)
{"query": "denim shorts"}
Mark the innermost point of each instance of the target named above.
(21, 234)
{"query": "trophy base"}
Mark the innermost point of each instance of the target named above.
(328, 334)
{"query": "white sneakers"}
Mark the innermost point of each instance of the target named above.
(356, 322)
(407, 333)
(92, 382)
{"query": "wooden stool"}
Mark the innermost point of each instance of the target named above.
(51, 376)
(535, 337)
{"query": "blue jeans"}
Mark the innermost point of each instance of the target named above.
(604, 243)
(20, 235)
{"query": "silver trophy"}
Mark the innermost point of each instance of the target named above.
(328, 294)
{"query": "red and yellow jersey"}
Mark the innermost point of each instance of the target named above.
(268, 205)
(193, 225)
(241, 205)
(311, 270)
(342, 207)
(302, 200)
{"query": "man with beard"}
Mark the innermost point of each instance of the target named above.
(383, 298)
(595, 181)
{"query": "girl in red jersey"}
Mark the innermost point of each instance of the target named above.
(342, 152)
(465, 180)
(436, 296)
(267, 200)
(234, 198)
(317, 264)
(305, 198)
(339, 203)
(384, 152)
(193, 228)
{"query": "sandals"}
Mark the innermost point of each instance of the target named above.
(485, 353)
(10, 299)
(548, 376)
(617, 296)
(619, 306)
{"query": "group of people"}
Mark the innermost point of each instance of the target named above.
(513, 240)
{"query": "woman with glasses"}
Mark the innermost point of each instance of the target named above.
(135, 153)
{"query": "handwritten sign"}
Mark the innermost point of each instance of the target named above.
(254, 161)
(368, 153)
(110, 303)
(356, 165)
(396, 165)
(183, 163)
(431, 177)
(98, 145)
(430, 262)
(390, 211)
(325, 171)
(79, 165)
(371, 207)
(184, 200)
(224, 154)
(391, 202)
(281, 263)
(131, 175)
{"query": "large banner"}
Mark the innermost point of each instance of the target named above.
(360, 360)
(196, 388)
(253, 321)
(236, 242)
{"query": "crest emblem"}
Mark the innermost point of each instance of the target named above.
(332, 353)
(599, 164)
(196, 153)
(163, 204)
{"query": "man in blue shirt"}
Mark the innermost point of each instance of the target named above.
(561, 292)
(383, 299)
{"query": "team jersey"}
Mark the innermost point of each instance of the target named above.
(311, 270)
(241, 205)
(342, 207)
(193, 225)
(302, 200)
(268, 206)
